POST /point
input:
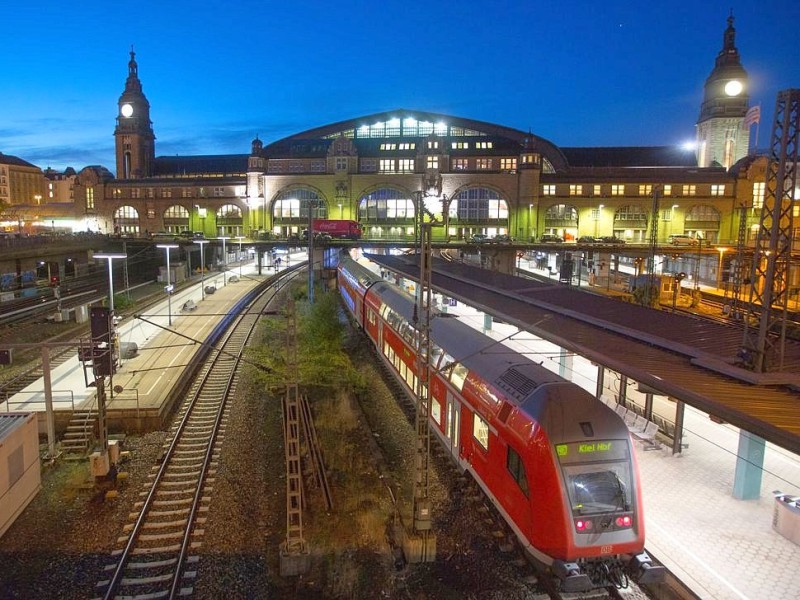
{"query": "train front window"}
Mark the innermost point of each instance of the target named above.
(595, 489)
(597, 476)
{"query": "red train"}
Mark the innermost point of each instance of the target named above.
(557, 463)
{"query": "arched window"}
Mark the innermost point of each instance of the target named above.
(229, 211)
(292, 206)
(126, 220)
(565, 214)
(478, 205)
(631, 212)
(704, 213)
(176, 211)
(385, 204)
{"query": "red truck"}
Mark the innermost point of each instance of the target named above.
(337, 228)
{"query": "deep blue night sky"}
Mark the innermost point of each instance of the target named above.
(580, 73)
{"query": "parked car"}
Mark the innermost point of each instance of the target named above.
(479, 238)
(503, 238)
(587, 239)
(549, 238)
(683, 240)
(610, 239)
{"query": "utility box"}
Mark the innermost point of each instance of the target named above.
(113, 451)
(81, 313)
(98, 464)
(786, 516)
(20, 477)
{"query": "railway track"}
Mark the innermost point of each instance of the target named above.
(157, 557)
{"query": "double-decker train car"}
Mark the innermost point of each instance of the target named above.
(556, 462)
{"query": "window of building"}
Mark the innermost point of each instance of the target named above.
(176, 211)
(478, 205)
(432, 162)
(136, 193)
(369, 165)
(517, 469)
(150, 193)
(689, 189)
(484, 145)
(530, 159)
(186, 192)
(388, 146)
(575, 189)
(645, 189)
(508, 164)
(667, 189)
(433, 145)
(407, 146)
(617, 189)
(219, 191)
(166, 192)
(758, 193)
(406, 165)
(717, 189)
(597, 189)
(549, 189)
(596, 214)
(387, 165)
(666, 214)
(116, 193)
(480, 431)
(341, 163)
(151, 213)
(318, 166)
(385, 204)
(484, 164)
(89, 198)
(632, 212)
(460, 164)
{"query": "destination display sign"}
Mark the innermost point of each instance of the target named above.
(592, 450)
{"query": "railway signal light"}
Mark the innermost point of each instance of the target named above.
(54, 281)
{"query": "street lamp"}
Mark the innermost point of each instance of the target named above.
(202, 268)
(111, 256)
(597, 218)
(240, 238)
(224, 258)
(530, 224)
(340, 210)
(168, 247)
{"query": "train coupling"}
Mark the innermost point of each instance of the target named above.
(572, 580)
(642, 570)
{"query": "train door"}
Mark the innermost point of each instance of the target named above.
(453, 423)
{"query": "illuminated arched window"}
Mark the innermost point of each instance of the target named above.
(566, 213)
(126, 220)
(704, 213)
(385, 204)
(292, 205)
(479, 205)
(176, 211)
(229, 211)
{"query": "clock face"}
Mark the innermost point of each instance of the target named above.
(733, 87)
(126, 110)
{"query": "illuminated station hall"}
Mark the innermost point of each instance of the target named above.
(584, 267)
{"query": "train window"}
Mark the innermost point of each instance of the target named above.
(517, 469)
(458, 376)
(447, 361)
(436, 354)
(599, 488)
(371, 318)
(480, 431)
(436, 411)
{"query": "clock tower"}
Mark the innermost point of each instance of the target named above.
(722, 135)
(135, 141)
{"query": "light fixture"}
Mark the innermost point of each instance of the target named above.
(734, 87)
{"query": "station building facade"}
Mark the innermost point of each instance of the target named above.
(466, 176)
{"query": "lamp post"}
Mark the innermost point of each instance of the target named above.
(721, 251)
(111, 256)
(530, 224)
(597, 218)
(224, 259)
(168, 289)
(340, 210)
(202, 244)
(240, 238)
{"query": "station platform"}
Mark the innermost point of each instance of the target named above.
(723, 548)
(144, 381)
